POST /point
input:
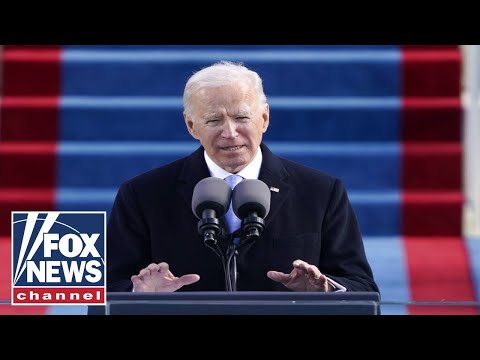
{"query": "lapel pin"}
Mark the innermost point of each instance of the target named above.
(274, 189)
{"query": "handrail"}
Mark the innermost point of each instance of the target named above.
(471, 140)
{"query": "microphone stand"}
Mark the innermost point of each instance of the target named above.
(250, 231)
(222, 245)
(231, 268)
(226, 248)
(231, 272)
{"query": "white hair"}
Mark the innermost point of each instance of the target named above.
(220, 74)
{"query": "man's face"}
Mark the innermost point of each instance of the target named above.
(229, 123)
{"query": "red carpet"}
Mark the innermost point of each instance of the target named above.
(31, 71)
(18, 199)
(432, 214)
(432, 119)
(28, 135)
(431, 72)
(432, 166)
(5, 284)
(438, 265)
(439, 271)
(28, 119)
(27, 165)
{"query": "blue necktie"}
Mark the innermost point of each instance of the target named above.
(233, 221)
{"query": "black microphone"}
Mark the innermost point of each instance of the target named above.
(251, 203)
(210, 201)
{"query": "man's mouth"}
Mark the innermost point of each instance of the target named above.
(232, 148)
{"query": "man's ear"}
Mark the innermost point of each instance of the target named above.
(266, 117)
(190, 126)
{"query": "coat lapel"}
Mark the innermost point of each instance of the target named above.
(274, 174)
(194, 169)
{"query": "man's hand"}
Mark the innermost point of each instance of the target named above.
(158, 278)
(303, 277)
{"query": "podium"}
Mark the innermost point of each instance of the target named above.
(240, 303)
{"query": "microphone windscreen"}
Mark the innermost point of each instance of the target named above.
(211, 193)
(251, 195)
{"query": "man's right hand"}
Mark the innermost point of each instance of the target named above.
(158, 278)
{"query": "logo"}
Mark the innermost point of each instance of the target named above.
(58, 258)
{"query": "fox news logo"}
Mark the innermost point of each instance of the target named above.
(58, 258)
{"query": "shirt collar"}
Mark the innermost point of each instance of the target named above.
(251, 171)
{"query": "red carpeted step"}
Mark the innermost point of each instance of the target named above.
(31, 47)
(18, 199)
(431, 72)
(29, 165)
(5, 284)
(29, 119)
(430, 47)
(30, 71)
(432, 119)
(439, 270)
(431, 166)
(432, 213)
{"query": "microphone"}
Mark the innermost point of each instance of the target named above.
(210, 201)
(251, 203)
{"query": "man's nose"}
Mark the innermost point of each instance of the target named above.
(229, 129)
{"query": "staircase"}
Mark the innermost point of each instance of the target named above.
(76, 121)
(435, 252)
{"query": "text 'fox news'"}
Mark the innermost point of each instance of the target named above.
(58, 258)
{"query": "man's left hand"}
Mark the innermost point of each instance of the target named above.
(303, 277)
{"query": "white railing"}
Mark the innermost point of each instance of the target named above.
(471, 140)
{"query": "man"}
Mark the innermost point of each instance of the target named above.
(311, 240)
